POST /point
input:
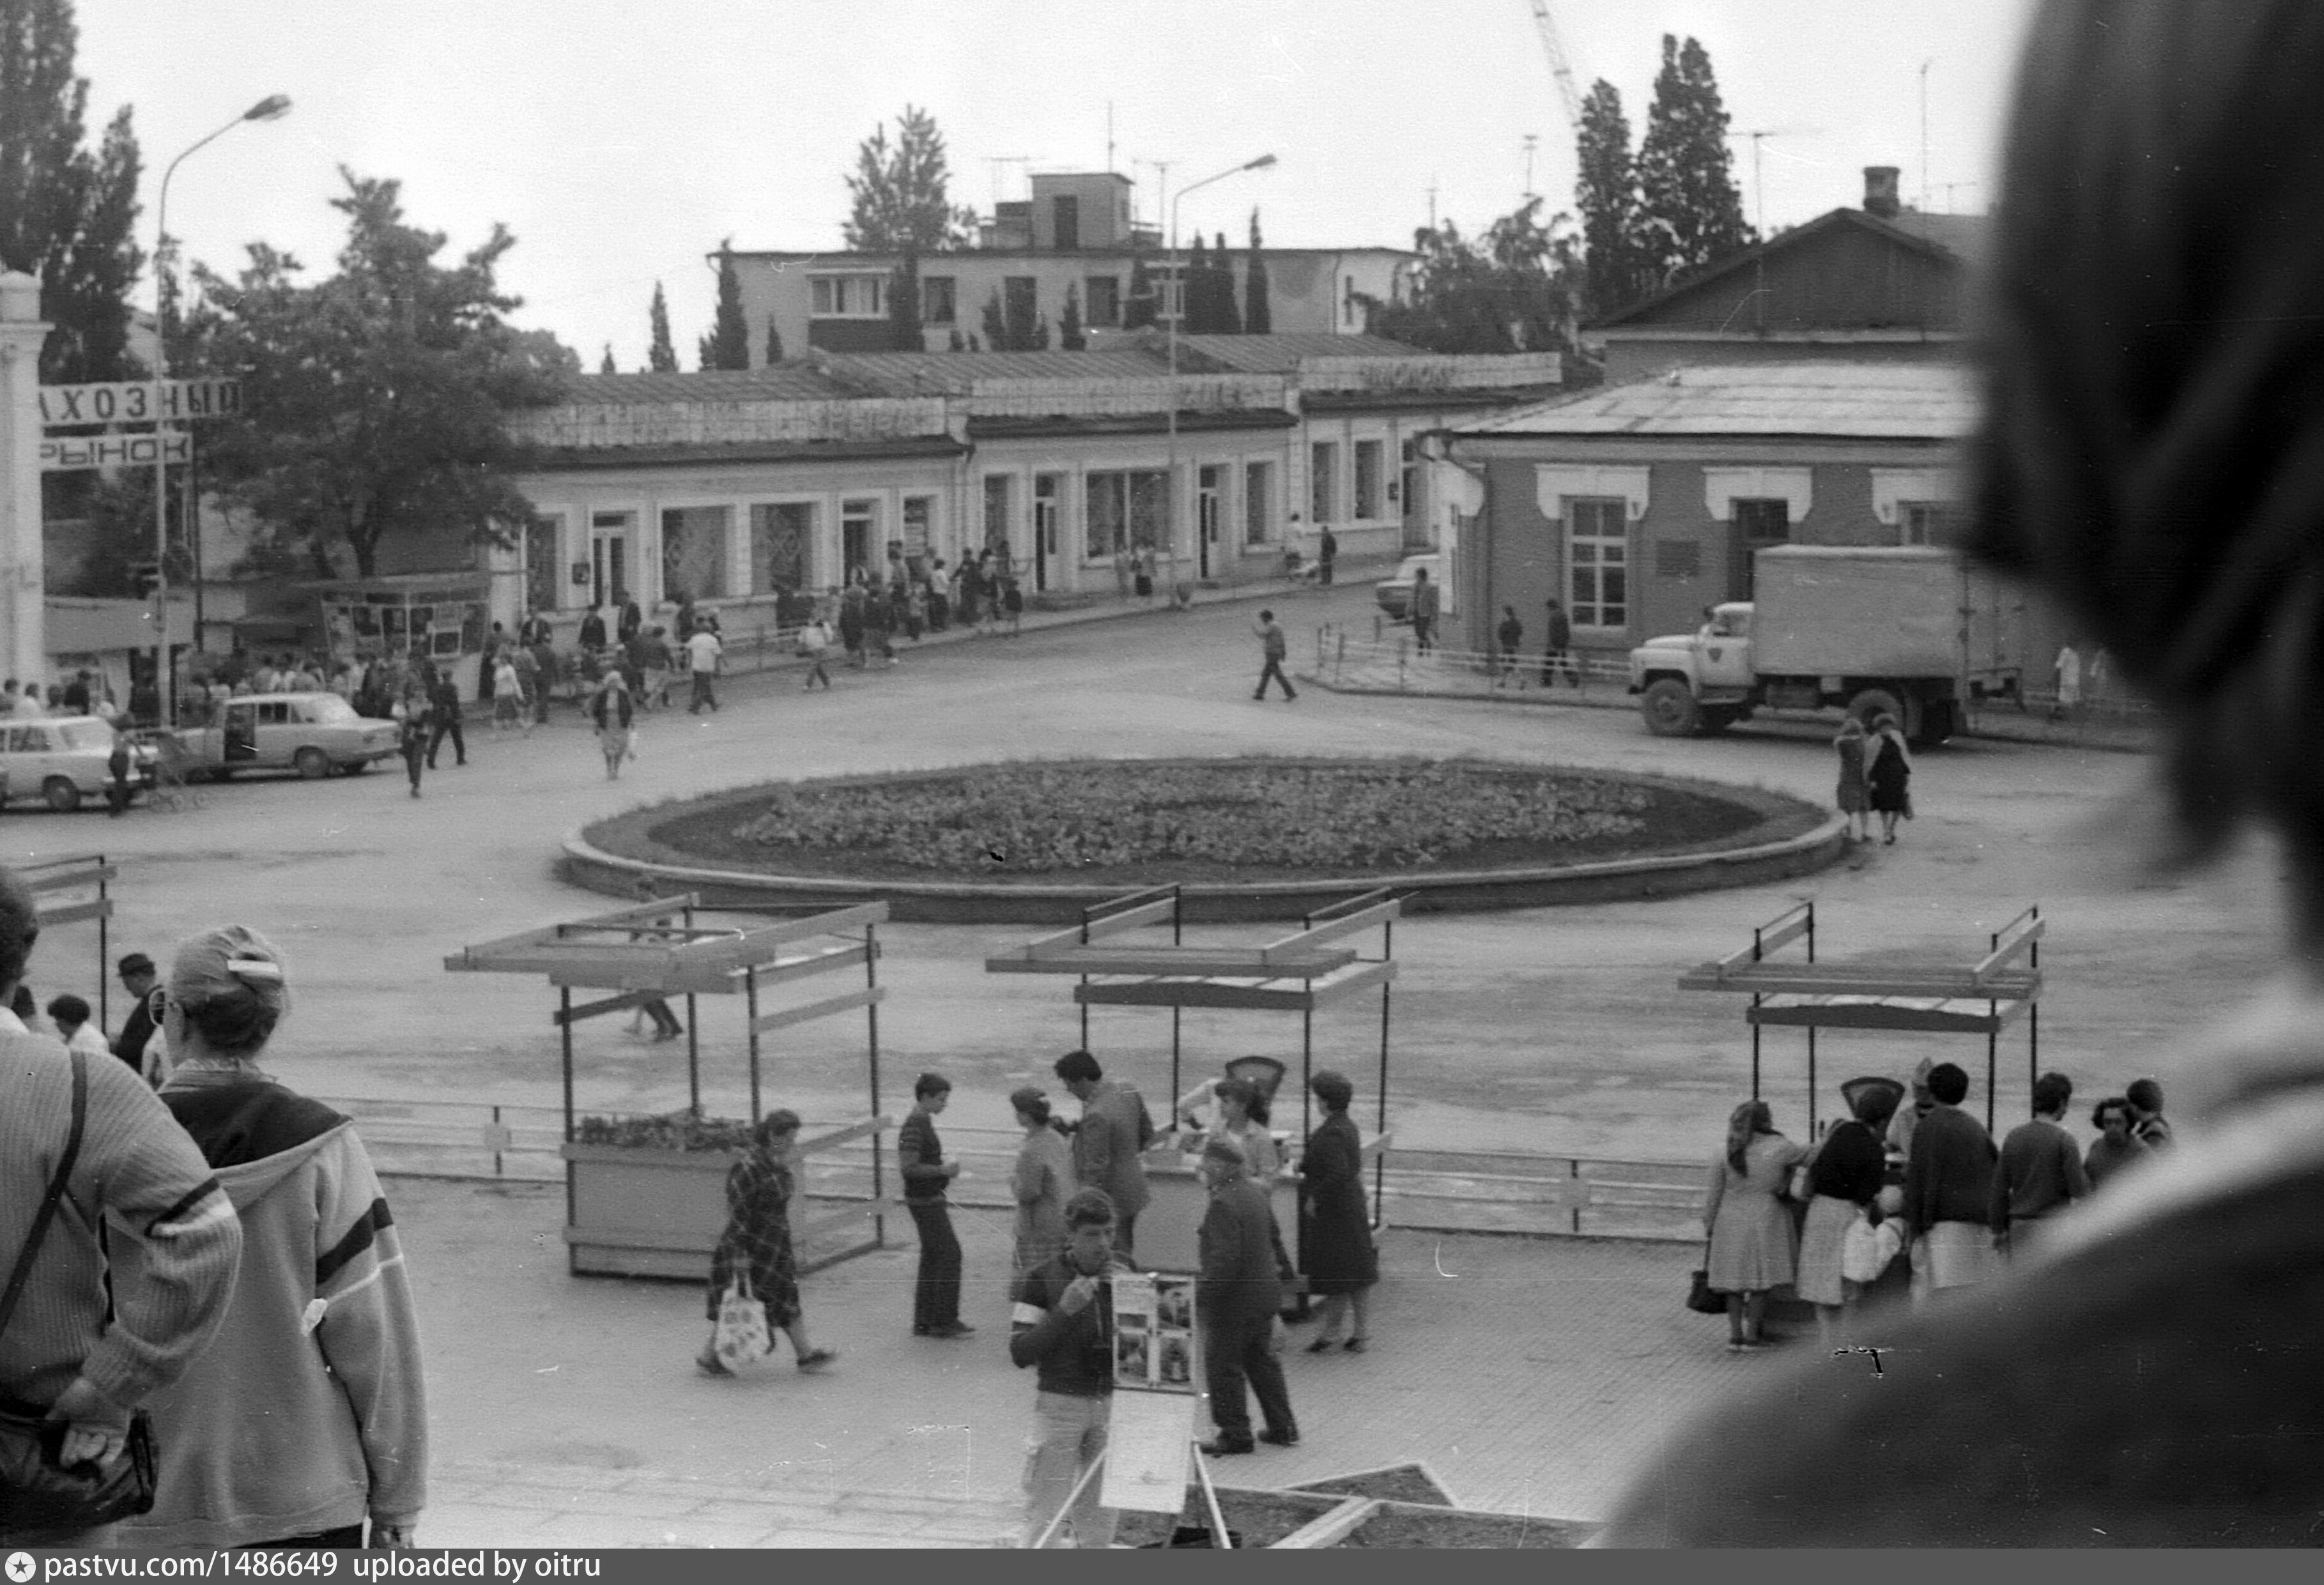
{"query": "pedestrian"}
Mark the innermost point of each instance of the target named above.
(1062, 1321)
(1907, 1118)
(1109, 1142)
(1948, 1190)
(1273, 648)
(1121, 572)
(534, 629)
(591, 637)
(488, 669)
(2148, 1125)
(702, 653)
(876, 626)
(137, 1030)
(657, 661)
(1042, 1181)
(756, 1247)
(919, 1160)
(1888, 780)
(529, 686)
(1012, 603)
(612, 713)
(70, 1016)
(1142, 579)
(851, 602)
(1327, 551)
(2067, 673)
(306, 1417)
(510, 706)
(412, 734)
(939, 596)
(1424, 608)
(1509, 635)
(1854, 794)
(1752, 1240)
(444, 719)
(1239, 1294)
(118, 760)
(1845, 1171)
(2040, 1174)
(815, 644)
(2115, 1147)
(914, 608)
(93, 1323)
(1242, 1115)
(1335, 1240)
(544, 662)
(1558, 645)
(631, 620)
(77, 695)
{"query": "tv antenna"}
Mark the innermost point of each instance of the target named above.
(1530, 139)
(1759, 182)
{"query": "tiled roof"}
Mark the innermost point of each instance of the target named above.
(1280, 355)
(1900, 402)
(937, 374)
(788, 381)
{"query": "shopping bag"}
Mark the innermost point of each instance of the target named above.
(1864, 1252)
(743, 1337)
(1700, 1296)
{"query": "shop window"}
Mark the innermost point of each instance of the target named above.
(782, 541)
(1597, 562)
(859, 532)
(1370, 456)
(1323, 482)
(694, 552)
(919, 513)
(1257, 502)
(1126, 510)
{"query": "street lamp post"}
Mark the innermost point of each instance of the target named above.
(271, 108)
(1170, 477)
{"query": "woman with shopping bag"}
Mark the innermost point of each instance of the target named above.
(754, 1273)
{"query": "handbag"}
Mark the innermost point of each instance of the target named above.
(1700, 1296)
(39, 1494)
(1864, 1252)
(743, 1337)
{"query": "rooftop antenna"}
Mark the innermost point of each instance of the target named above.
(1431, 202)
(1924, 131)
(1950, 187)
(1759, 182)
(1530, 139)
(1109, 137)
(1161, 168)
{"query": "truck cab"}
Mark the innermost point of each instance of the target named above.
(1699, 681)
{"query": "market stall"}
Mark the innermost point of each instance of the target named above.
(657, 1210)
(442, 617)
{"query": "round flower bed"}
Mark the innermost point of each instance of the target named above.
(1142, 822)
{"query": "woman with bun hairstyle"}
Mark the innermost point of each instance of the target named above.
(1043, 1181)
(304, 1419)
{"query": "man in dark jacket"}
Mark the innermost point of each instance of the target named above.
(2041, 1174)
(1949, 1190)
(136, 971)
(444, 719)
(631, 620)
(1557, 647)
(1063, 1323)
(593, 629)
(919, 1158)
(1237, 1295)
(1115, 1128)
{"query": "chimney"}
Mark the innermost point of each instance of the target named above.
(1880, 191)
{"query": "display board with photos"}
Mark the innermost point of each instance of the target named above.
(1154, 1331)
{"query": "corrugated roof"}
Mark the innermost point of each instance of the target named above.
(937, 374)
(1899, 402)
(786, 382)
(1280, 354)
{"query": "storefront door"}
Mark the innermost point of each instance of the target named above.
(1048, 498)
(1206, 520)
(609, 557)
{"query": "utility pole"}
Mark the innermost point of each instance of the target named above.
(1924, 133)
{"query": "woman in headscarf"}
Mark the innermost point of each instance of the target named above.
(756, 1247)
(1888, 779)
(1749, 1228)
(1843, 1181)
(1854, 795)
(1042, 1182)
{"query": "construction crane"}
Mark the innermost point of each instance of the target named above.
(1560, 67)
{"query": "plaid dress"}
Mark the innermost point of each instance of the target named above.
(757, 1242)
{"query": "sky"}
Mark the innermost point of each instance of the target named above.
(622, 142)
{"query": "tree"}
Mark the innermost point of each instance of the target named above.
(1225, 319)
(66, 214)
(728, 345)
(1692, 212)
(661, 357)
(1257, 316)
(376, 403)
(1606, 192)
(1194, 290)
(996, 324)
(1515, 289)
(1138, 312)
(903, 305)
(898, 203)
(1040, 340)
(1017, 321)
(774, 342)
(1070, 335)
(605, 365)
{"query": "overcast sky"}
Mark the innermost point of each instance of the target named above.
(620, 141)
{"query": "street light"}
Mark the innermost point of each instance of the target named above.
(1170, 478)
(273, 107)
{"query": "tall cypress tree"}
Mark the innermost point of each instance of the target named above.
(1224, 313)
(1138, 308)
(1257, 317)
(1693, 213)
(1606, 193)
(606, 363)
(730, 333)
(774, 342)
(1070, 335)
(996, 324)
(1194, 290)
(661, 357)
(903, 305)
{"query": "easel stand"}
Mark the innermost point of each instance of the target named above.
(1201, 1478)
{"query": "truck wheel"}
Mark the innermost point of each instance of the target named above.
(62, 796)
(1877, 702)
(1670, 709)
(312, 763)
(1939, 721)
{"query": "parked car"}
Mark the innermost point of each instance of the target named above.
(1394, 595)
(63, 758)
(313, 734)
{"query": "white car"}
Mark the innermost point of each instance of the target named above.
(1394, 595)
(63, 758)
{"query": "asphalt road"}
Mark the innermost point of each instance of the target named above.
(1551, 1029)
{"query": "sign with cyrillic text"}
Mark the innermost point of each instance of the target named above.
(132, 402)
(113, 451)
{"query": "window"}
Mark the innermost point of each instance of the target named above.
(936, 300)
(1927, 522)
(1370, 456)
(28, 739)
(1257, 502)
(1597, 562)
(1049, 504)
(859, 529)
(1409, 478)
(1322, 482)
(694, 552)
(1101, 300)
(920, 513)
(276, 712)
(1020, 301)
(540, 552)
(1764, 521)
(1000, 503)
(783, 539)
(1127, 511)
(847, 297)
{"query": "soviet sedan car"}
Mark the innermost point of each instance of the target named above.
(1394, 595)
(313, 734)
(63, 758)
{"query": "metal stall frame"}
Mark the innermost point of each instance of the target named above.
(1301, 972)
(1982, 998)
(71, 873)
(658, 948)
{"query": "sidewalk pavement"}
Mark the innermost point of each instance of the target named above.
(1531, 1374)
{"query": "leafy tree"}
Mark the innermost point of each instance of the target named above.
(1138, 312)
(1257, 316)
(1225, 319)
(996, 324)
(661, 357)
(899, 201)
(1606, 192)
(605, 365)
(903, 305)
(728, 345)
(774, 342)
(1070, 335)
(1515, 289)
(66, 214)
(1692, 212)
(375, 403)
